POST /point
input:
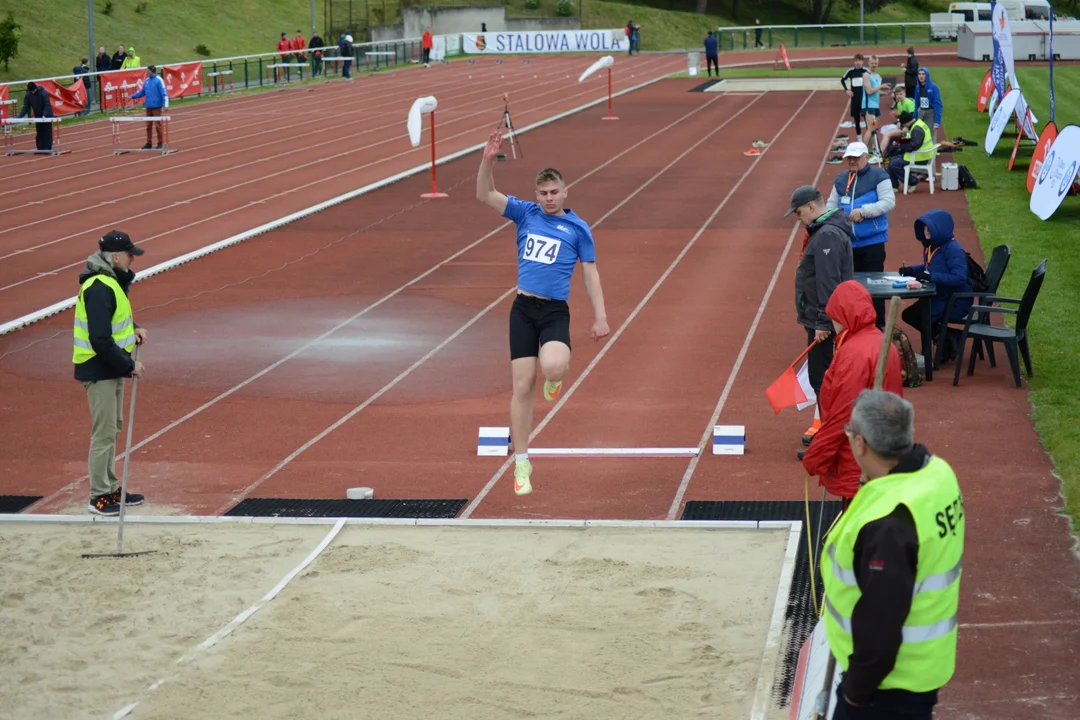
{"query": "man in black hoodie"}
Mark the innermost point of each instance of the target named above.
(36, 104)
(825, 263)
(105, 334)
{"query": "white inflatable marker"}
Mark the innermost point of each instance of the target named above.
(420, 107)
(605, 62)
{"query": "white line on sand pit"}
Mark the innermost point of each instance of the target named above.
(63, 305)
(676, 503)
(242, 617)
(770, 653)
(215, 400)
(468, 511)
(352, 413)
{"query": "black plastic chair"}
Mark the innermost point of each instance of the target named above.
(1014, 339)
(995, 270)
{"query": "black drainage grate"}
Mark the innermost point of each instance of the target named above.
(12, 504)
(279, 507)
(800, 619)
(705, 86)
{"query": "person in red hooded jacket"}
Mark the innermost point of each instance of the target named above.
(858, 345)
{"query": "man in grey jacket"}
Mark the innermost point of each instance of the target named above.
(825, 263)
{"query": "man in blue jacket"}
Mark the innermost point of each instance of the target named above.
(944, 264)
(928, 105)
(865, 193)
(153, 90)
(712, 53)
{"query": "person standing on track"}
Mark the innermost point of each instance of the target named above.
(157, 99)
(892, 569)
(425, 43)
(712, 54)
(36, 104)
(105, 335)
(854, 81)
(551, 240)
(826, 262)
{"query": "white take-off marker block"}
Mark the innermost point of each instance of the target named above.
(728, 439)
(360, 493)
(495, 442)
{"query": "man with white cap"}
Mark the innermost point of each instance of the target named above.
(865, 193)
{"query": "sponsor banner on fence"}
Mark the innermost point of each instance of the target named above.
(181, 80)
(545, 41)
(4, 105)
(118, 86)
(65, 100)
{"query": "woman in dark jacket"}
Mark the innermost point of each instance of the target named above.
(944, 264)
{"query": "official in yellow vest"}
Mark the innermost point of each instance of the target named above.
(891, 568)
(916, 147)
(105, 334)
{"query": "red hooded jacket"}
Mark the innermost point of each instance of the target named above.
(851, 371)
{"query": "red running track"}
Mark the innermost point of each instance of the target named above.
(365, 345)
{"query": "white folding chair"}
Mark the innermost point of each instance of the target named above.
(927, 166)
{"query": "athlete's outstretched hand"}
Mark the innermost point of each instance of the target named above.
(494, 144)
(600, 329)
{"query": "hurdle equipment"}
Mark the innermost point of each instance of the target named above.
(9, 136)
(420, 107)
(605, 62)
(117, 145)
(729, 440)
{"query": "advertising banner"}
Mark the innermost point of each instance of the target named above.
(118, 86)
(545, 41)
(182, 80)
(1057, 174)
(65, 100)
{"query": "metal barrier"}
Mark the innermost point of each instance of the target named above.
(831, 35)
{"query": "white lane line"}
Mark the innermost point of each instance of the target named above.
(241, 385)
(676, 503)
(467, 512)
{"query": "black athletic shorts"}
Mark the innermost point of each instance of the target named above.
(535, 321)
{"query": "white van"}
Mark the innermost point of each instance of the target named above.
(973, 11)
(1021, 10)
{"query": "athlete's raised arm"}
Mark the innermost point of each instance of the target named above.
(485, 179)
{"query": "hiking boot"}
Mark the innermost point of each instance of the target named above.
(104, 505)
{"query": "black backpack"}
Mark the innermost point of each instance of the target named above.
(965, 179)
(976, 275)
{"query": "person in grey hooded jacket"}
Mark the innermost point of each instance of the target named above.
(826, 262)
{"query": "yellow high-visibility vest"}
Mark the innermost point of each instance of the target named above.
(123, 322)
(927, 655)
(923, 153)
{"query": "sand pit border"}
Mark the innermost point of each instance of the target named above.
(770, 652)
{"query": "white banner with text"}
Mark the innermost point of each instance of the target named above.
(545, 41)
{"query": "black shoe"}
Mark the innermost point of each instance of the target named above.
(160, 146)
(807, 439)
(802, 453)
(147, 146)
(104, 505)
(132, 499)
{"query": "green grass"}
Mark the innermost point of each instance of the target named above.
(999, 208)
(54, 32)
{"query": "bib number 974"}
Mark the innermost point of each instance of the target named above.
(541, 249)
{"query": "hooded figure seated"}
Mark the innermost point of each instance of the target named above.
(858, 345)
(945, 264)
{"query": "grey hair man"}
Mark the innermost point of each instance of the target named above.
(892, 567)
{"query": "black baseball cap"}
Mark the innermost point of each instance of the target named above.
(801, 196)
(117, 241)
(906, 117)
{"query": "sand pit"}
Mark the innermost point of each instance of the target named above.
(388, 622)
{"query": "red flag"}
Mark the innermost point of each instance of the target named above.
(786, 390)
(1049, 134)
(986, 89)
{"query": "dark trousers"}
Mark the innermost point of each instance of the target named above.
(888, 705)
(896, 172)
(43, 139)
(871, 258)
(818, 360)
(427, 55)
(912, 315)
(713, 61)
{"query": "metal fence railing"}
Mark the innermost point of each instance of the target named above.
(832, 35)
(251, 71)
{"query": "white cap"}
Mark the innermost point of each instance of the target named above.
(856, 149)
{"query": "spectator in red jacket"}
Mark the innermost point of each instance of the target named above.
(425, 44)
(298, 44)
(858, 345)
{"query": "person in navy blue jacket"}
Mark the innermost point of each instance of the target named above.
(944, 264)
(928, 105)
(865, 193)
(712, 53)
(157, 98)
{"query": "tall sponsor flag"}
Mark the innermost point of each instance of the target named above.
(1051, 64)
(1049, 133)
(792, 388)
(1003, 65)
(986, 89)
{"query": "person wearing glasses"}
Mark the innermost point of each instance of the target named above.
(891, 567)
(858, 345)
